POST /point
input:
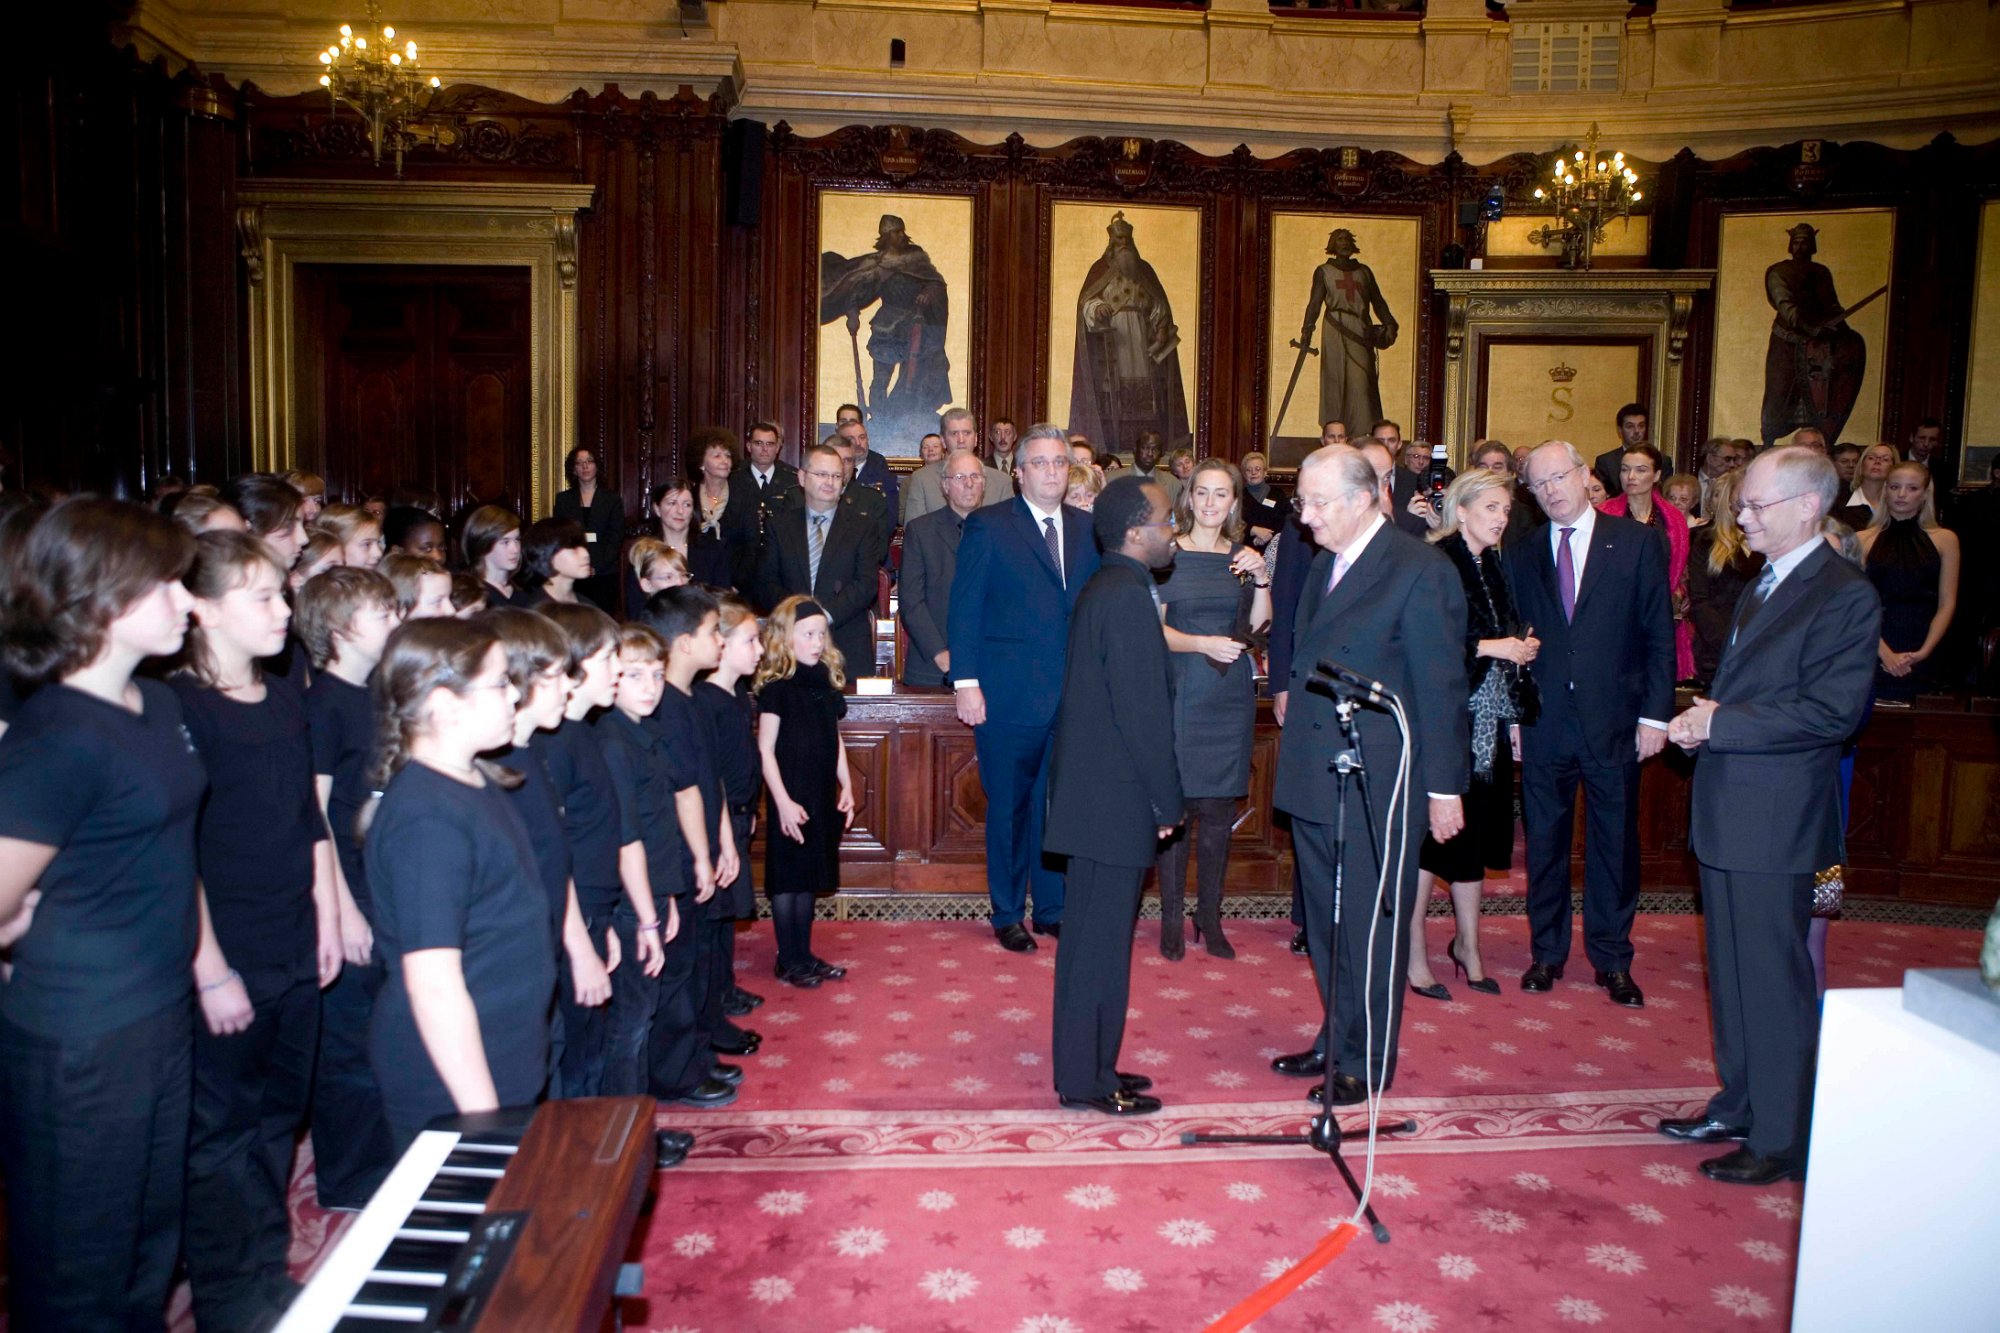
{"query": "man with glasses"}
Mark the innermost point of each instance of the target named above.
(923, 491)
(1594, 587)
(1021, 566)
(1792, 686)
(930, 558)
(828, 551)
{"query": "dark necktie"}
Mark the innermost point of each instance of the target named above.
(1753, 601)
(1566, 575)
(1055, 547)
(815, 547)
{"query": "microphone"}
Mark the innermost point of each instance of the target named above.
(1334, 673)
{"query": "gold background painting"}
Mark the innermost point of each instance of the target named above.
(1857, 246)
(1167, 238)
(849, 222)
(1624, 238)
(1524, 405)
(1981, 440)
(1389, 247)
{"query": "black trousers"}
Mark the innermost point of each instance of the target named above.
(717, 933)
(1610, 859)
(628, 1018)
(677, 1053)
(93, 1144)
(353, 1150)
(1094, 975)
(1349, 1042)
(1764, 1004)
(580, 1070)
(251, 1091)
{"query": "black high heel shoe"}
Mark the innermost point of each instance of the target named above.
(1485, 985)
(1434, 991)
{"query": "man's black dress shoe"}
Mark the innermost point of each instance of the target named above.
(1299, 944)
(710, 1092)
(1134, 1082)
(1120, 1102)
(1052, 929)
(739, 1042)
(669, 1152)
(730, 1074)
(740, 1002)
(1347, 1091)
(1623, 989)
(1744, 1167)
(1540, 977)
(826, 971)
(1304, 1064)
(1701, 1129)
(802, 977)
(1015, 938)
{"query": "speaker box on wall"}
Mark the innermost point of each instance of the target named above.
(743, 172)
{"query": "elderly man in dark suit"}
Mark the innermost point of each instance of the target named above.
(1114, 792)
(1021, 565)
(830, 552)
(1791, 688)
(1393, 609)
(1594, 587)
(930, 558)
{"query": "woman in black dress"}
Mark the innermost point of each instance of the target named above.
(1721, 566)
(1913, 564)
(1498, 649)
(99, 795)
(1215, 596)
(461, 919)
(806, 782)
(601, 515)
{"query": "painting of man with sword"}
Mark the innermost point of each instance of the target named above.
(1354, 323)
(911, 379)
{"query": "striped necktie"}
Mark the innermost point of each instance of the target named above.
(815, 548)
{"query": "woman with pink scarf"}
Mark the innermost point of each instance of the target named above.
(1639, 473)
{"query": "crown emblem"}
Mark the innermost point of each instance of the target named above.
(1562, 372)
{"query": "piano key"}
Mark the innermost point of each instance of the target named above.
(426, 1224)
(489, 1165)
(428, 1261)
(457, 1194)
(391, 1300)
(359, 1324)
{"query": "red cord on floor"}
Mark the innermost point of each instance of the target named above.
(1265, 1299)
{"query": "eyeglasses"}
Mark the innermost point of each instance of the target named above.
(1758, 507)
(1301, 503)
(1549, 482)
(963, 476)
(1059, 462)
(828, 476)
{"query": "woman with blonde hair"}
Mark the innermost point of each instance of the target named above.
(357, 531)
(1871, 478)
(1216, 595)
(1913, 564)
(1720, 567)
(1498, 649)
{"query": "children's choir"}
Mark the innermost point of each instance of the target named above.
(337, 849)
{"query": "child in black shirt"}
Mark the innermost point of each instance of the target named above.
(270, 933)
(343, 618)
(724, 698)
(99, 794)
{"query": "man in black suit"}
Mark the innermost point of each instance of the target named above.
(1403, 483)
(830, 552)
(1594, 587)
(755, 491)
(1792, 686)
(1114, 792)
(1392, 608)
(1633, 429)
(930, 558)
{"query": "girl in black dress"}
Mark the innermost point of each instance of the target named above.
(99, 792)
(810, 794)
(1913, 564)
(461, 919)
(1498, 649)
(270, 932)
(724, 696)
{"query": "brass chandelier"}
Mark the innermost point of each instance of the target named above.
(369, 73)
(1585, 191)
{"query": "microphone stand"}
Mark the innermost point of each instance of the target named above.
(1323, 1133)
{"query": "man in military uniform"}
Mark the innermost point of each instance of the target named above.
(1345, 292)
(1813, 368)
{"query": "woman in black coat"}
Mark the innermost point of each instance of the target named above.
(601, 514)
(1720, 567)
(1498, 649)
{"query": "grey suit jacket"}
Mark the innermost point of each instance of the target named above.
(930, 558)
(1789, 691)
(923, 490)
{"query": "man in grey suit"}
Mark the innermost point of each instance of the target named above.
(1392, 608)
(1791, 688)
(930, 557)
(923, 491)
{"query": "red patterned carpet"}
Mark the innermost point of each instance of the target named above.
(897, 1162)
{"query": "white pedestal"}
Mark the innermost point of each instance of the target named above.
(1902, 1210)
